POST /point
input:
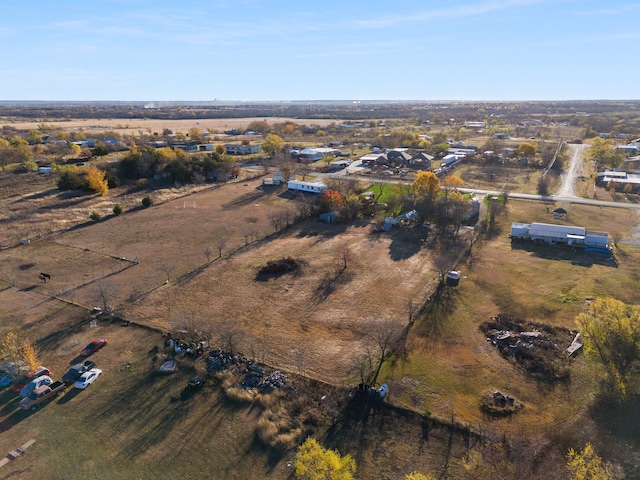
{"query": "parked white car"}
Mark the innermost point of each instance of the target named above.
(87, 378)
(40, 381)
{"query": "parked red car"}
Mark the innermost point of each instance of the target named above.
(22, 381)
(94, 346)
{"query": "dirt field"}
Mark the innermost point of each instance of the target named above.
(322, 313)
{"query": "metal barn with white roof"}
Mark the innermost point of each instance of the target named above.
(559, 234)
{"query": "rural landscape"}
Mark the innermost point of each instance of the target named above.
(298, 290)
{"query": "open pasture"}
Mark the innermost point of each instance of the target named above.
(134, 126)
(312, 322)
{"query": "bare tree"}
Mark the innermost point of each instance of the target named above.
(304, 207)
(276, 219)
(286, 165)
(444, 261)
(228, 334)
(105, 294)
(287, 216)
(304, 170)
(204, 330)
(246, 234)
(343, 257)
(299, 355)
(362, 365)
(384, 333)
(266, 165)
(220, 244)
(207, 253)
(413, 309)
(257, 347)
(616, 237)
(167, 269)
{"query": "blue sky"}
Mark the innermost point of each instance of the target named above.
(139, 50)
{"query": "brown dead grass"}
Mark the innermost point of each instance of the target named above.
(319, 316)
(133, 126)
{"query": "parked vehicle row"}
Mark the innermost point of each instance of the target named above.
(41, 395)
(36, 387)
(77, 370)
(21, 382)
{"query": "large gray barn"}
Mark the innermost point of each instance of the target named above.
(559, 234)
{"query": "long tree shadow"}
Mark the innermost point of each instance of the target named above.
(437, 310)
(330, 283)
(579, 257)
(404, 248)
(12, 420)
(369, 424)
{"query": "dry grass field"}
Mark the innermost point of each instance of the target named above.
(134, 424)
(146, 125)
(320, 312)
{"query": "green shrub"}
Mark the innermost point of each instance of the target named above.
(95, 216)
(71, 180)
(117, 209)
(30, 165)
(112, 180)
(147, 201)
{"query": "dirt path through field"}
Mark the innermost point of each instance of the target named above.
(571, 174)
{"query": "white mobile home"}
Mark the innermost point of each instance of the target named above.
(309, 187)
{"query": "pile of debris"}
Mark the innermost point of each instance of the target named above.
(276, 379)
(533, 345)
(264, 384)
(219, 360)
(497, 403)
(255, 376)
(284, 265)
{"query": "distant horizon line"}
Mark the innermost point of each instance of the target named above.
(160, 103)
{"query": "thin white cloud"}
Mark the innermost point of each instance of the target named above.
(609, 11)
(461, 11)
(349, 51)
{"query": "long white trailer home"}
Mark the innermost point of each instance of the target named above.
(309, 187)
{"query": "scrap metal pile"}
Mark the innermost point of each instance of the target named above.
(255, 376)
(539, 348)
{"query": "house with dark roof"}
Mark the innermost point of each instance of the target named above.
(421, 159)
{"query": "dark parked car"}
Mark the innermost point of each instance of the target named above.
(94, 346)
(78, 369)
(195, 383)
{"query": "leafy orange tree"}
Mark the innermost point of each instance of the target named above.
(332, 200)
(426, 185)
(452, 182)
(96, 180)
